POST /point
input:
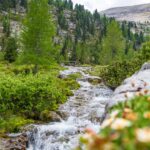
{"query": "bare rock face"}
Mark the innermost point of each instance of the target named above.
(137, 13)
(136, 85)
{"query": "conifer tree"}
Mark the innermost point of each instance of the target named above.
(11, 50)
(37, 35)
(113, 44)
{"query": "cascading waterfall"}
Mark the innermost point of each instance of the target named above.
(83, 110)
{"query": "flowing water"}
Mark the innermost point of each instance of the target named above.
(83, 110)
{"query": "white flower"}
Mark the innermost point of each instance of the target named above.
(143, 135)
(120, 123)
(114, 113)
(107, 123)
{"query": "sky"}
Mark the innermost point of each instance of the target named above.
(105, 4)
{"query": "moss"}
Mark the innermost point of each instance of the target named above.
(45, 115)
(13, 123)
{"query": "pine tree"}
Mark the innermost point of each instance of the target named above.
(37, 35)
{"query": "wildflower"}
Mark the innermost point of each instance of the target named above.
(107, 122)
(127, 110)
(114, 114)
(130, 116)
(148, 99)
(139, 94)
(143, 135)
(93, 141)
(146, 91)
(90, 131)
(147, 115)
(120, 124)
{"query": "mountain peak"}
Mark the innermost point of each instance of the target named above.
(136, 13)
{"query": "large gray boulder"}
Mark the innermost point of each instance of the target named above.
(137, 84)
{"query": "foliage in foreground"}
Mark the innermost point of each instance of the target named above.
(128, 128)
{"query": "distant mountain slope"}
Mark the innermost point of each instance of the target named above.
(137, 13)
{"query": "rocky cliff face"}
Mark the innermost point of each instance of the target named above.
(138, 13)
(136, 85)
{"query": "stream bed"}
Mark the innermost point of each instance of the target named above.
(83, 110)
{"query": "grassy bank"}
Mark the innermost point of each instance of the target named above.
(24, 96)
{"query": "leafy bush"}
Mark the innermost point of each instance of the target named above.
(25, 96)
(115, 73)
(31, 94)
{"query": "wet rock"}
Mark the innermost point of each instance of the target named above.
(146, 66)
(28, 128)
(95, 80)
(137, 84)
(14, 142)
(50, 116)
(62, 76)
(55, 117)
(63, 114)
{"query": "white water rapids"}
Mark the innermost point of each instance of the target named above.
(83, 110)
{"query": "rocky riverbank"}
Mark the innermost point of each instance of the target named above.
(136, 85)
(14, 142)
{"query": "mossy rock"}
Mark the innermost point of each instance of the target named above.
(49, 116)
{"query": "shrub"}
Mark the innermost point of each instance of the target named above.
(115, 73)
(30, 94)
